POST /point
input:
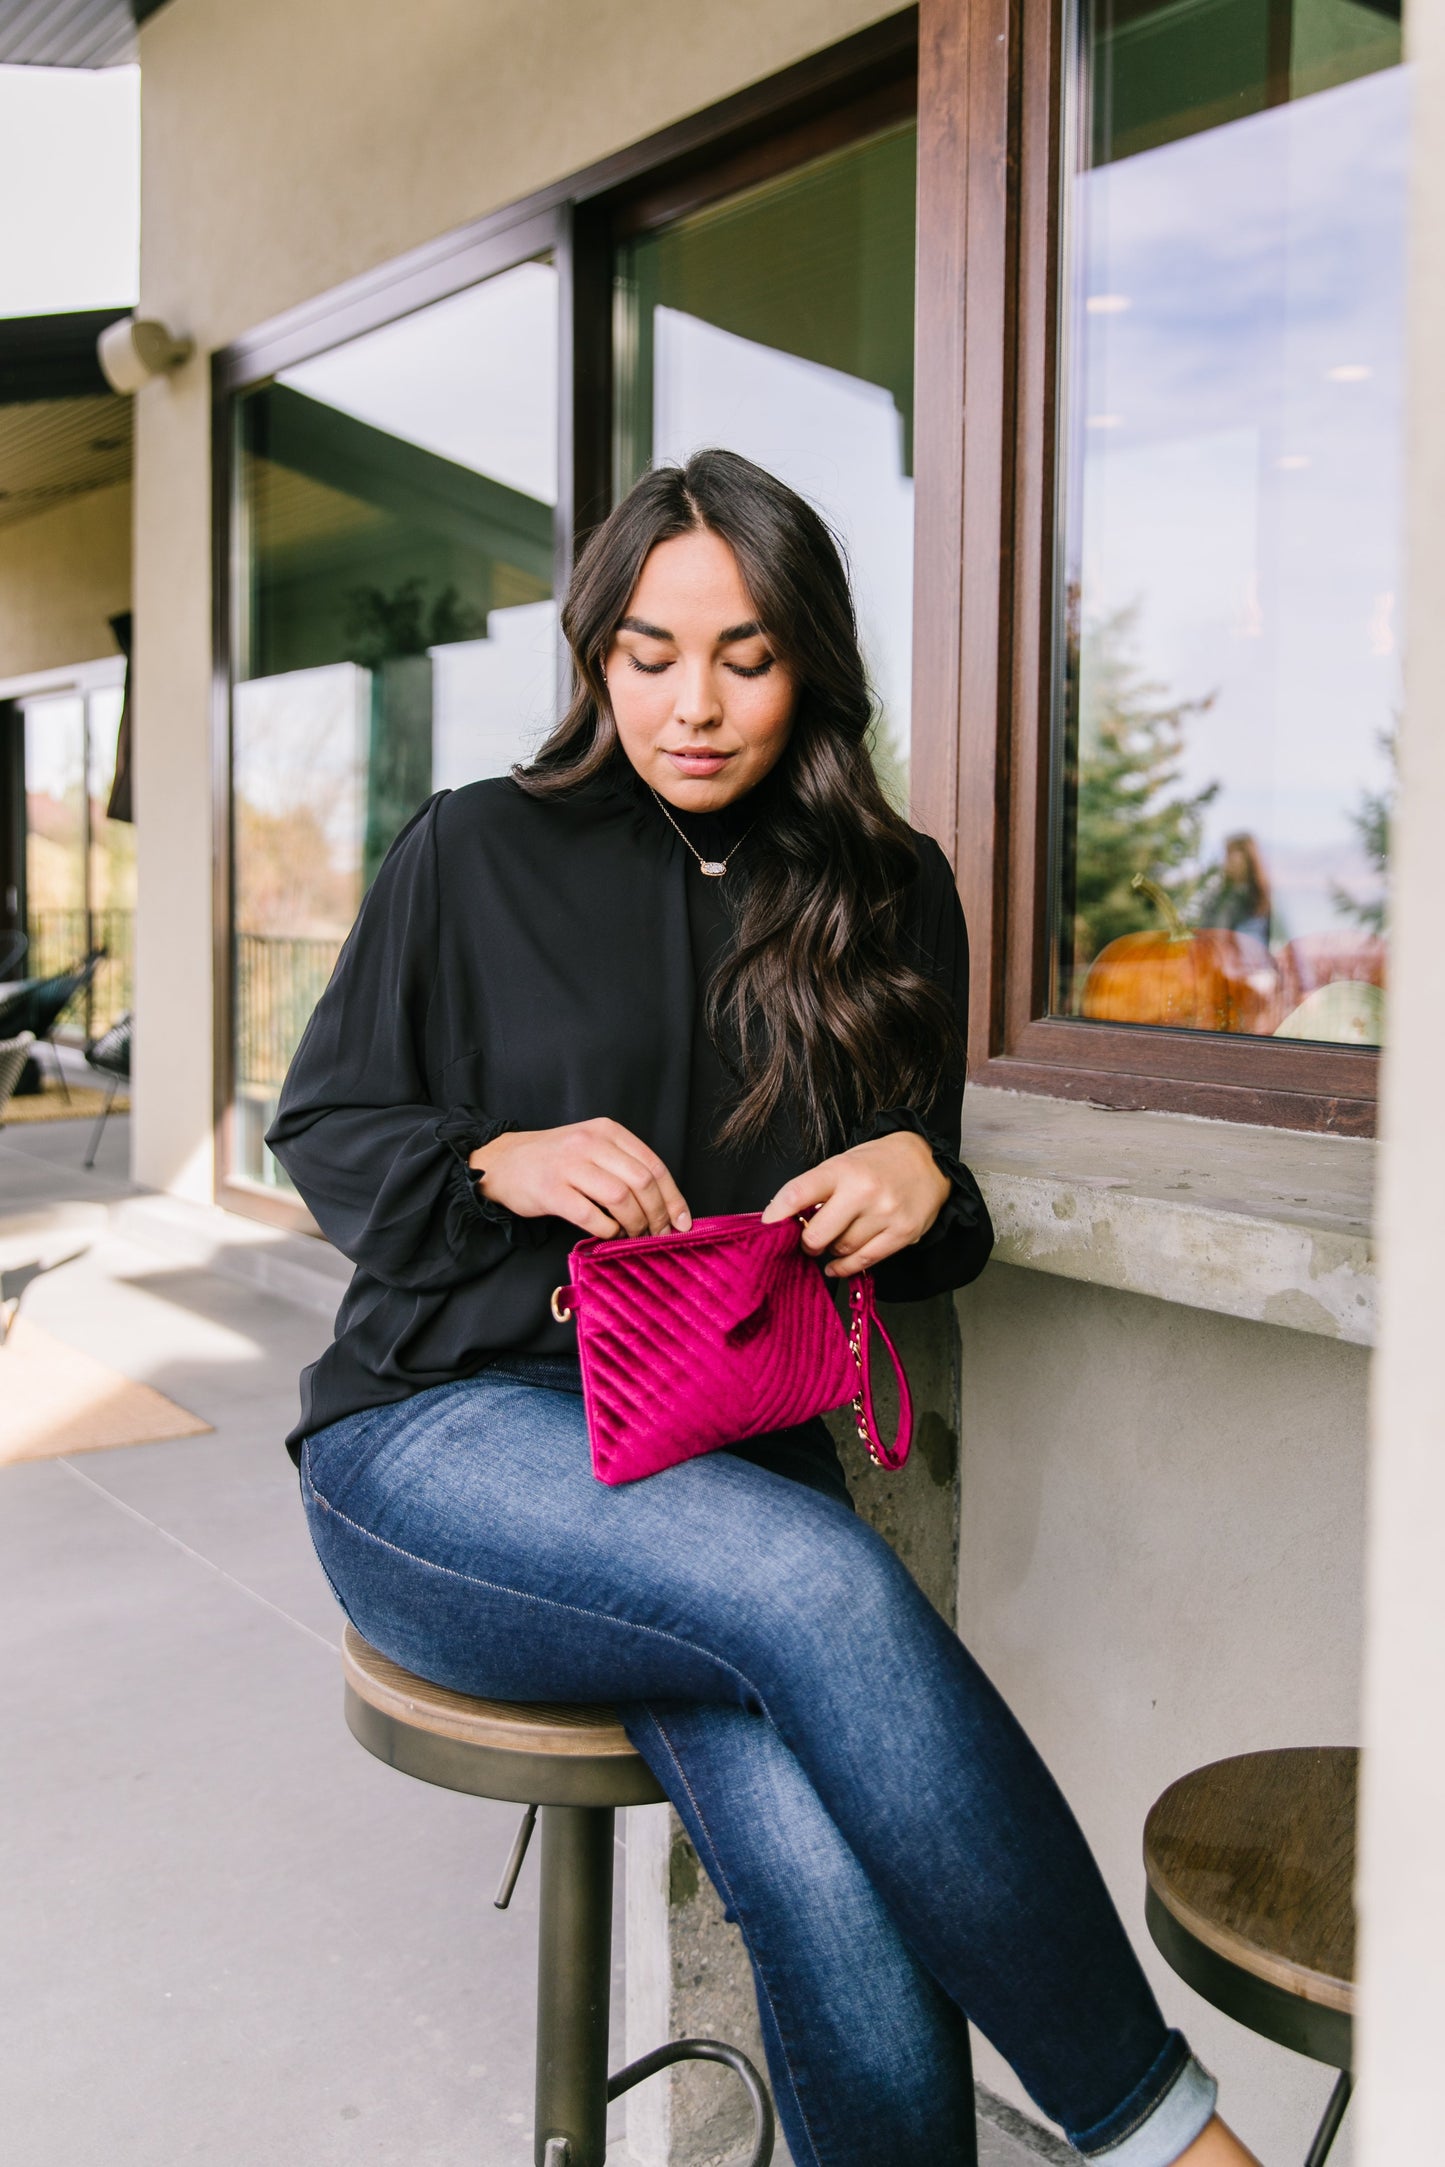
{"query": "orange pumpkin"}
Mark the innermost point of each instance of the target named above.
(1200, 979)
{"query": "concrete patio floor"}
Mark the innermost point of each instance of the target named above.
(231, 1936)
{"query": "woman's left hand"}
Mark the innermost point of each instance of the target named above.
(870, 1201)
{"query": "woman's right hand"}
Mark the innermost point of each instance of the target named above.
(595, 1174)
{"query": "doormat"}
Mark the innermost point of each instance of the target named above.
(51, 1104)
(53, 1400)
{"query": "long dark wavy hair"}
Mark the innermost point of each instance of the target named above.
(818, 1007)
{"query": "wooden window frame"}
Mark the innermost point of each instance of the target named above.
(820, 104)
(991, 99)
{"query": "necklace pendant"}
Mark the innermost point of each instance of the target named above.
(713, 867)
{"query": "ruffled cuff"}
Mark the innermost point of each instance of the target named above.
(464, 1129)
(963, 1210)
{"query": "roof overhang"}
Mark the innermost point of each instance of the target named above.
(63, 431)
(53, 357)
(70, 33)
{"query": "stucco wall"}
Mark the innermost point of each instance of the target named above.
(63, 574)
(1161, 1540)
(286, 149)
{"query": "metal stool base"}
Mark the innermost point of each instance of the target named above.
(574, 1966)
(559, 2151)
(1325, 2035)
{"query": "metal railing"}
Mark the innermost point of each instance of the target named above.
(278, 983)
(60, 939)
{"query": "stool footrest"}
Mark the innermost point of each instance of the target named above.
(706, 2050)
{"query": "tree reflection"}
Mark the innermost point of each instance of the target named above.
(1125, 810)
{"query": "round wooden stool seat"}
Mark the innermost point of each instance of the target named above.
(530, 1754)
(1251, 1866)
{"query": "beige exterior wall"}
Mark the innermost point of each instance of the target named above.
(1402, 1873)
(63, 575)
(288, 148)
(1161, 1554)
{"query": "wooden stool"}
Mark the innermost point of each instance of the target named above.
(1251, 1866)
(578, 1766)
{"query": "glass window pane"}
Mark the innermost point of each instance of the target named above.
(398, 631)
(54, 833)
(1228, 636)
(112, 868)
(779, 324)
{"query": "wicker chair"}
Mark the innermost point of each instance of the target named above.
(14, 1053)
(38, 1005)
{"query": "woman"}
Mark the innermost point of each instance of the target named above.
(1238, 896)
(689, 960)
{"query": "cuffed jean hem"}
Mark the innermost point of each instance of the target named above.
(1167, 2128)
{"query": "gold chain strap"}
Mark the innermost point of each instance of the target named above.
(860, 1420)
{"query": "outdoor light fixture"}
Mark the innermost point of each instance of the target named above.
(137, 349)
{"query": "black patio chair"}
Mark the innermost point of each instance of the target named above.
(39, 1004)
(110, 1053)
(12, 951)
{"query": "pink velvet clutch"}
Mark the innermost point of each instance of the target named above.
(693, 1341)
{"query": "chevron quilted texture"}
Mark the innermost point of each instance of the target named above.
(692, 1341)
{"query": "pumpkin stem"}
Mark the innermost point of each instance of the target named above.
(1174, 924)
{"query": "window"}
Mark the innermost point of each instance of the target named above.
(397, 634)
(1173, 817)
(1227, 648)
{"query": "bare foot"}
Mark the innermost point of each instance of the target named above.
(1216, 2147)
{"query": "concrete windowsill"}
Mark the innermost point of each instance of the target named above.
(1258, 1223)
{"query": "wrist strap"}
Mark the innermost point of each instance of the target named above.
(863, 1320)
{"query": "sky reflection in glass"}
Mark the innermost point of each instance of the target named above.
(1233, 498)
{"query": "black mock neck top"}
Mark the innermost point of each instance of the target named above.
(524, 962)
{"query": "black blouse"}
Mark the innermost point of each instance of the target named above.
(524, 962)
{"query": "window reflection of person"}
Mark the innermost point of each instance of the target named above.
(896, 1853)
(1238, 895)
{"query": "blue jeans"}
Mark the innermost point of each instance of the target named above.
(893, 1849)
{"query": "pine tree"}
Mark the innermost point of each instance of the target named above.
(1124, 810)
(1371, 823)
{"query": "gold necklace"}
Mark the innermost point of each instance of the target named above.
(713, 867)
